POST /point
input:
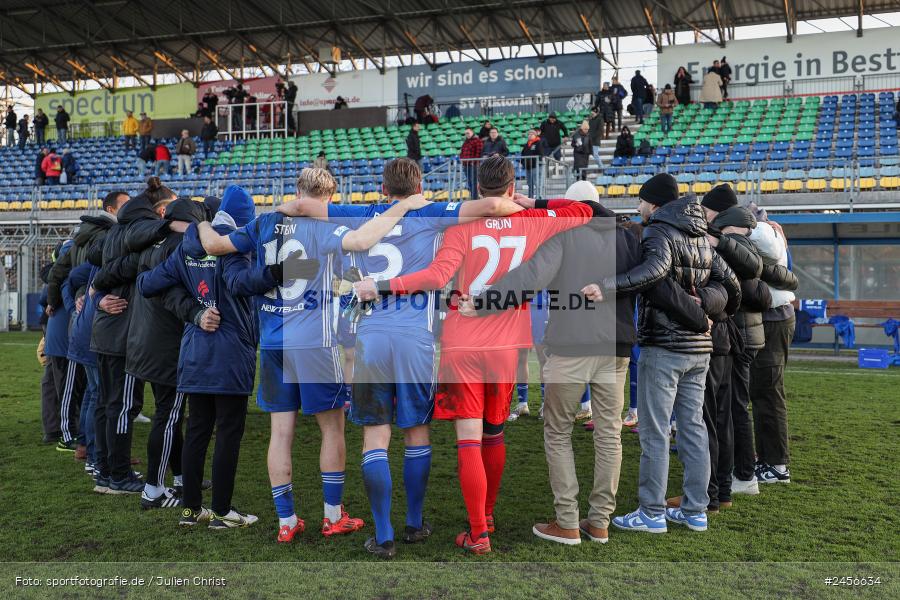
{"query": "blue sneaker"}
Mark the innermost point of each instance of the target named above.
(693, 522)
(641, 521)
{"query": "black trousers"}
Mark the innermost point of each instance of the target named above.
(70, 382)
(227, 415)
(717, 418)
(744, 457)
(767, 393)
(164, 444)
(121, 399)
(49, 403)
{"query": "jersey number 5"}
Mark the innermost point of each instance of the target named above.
(493, 247)
(274, 255)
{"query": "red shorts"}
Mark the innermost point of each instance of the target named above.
(476, 385)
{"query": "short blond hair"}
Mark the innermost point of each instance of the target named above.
(316, 182)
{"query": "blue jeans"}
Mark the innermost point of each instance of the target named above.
(61, 135)
(38, 135)
(668, 380)
(88, 407)
(638, 104)
(472, 178)
(665, 120)
(595, 151)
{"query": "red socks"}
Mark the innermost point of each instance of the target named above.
(473, 481)
(493, 455)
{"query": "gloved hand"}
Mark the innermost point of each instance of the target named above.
(294, 267)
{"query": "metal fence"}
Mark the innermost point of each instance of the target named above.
(255, 120)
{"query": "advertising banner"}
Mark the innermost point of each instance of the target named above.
(262, 88)
(504, 83)
(820, 55)
(92, 106)
(367, 88)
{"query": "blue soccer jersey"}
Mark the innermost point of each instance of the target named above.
(408, 248)
(297, 315)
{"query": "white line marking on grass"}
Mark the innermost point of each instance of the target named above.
(864, 372)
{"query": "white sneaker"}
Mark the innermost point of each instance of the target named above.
(750, 488)
(512, 417)
(141, 418)
(521, 409)
(541, 412)
(631, 419)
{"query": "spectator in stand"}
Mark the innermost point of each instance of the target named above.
(645, 149)
(469, 155)
(595, 125)
(581, 149)
(725, 74)
(185, 150)
(146, 157)
(23, 131)
(711, 92)
(667, 102)
(649, 100)
(422, 108)
(532, 152)
(210, 102)
(40, 123)
(69, 167)
(619, 90)
(130, 129)
(61, 120)
(340, 103)
(290, 99)
(10, 121)
(145, 129)
(39, 166)
(683, 81)
(414, 145)
(52, 167)
(208, 134)
(638, 95)
(550, 133)
(485, 130)
(163, 157)
(494, 144)
(624, 144)
(321, 162)
(608, 104)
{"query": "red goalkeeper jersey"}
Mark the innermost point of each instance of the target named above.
(481, 252)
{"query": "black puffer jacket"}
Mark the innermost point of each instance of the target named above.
(743, 258)
(674, 245)
(118, 270)
(154, 334)
(91, 229)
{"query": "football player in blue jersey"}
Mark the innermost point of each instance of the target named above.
(393, 380)
(299, 362)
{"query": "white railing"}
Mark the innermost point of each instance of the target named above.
(257, 120)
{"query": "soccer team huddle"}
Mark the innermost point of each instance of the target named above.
(180, 294)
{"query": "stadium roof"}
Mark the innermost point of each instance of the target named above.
(57, 41)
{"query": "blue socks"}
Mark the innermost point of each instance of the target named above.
(333, 487)
(586, 396)
(416, 468)
(283, 495)
(377, 479)
(522, 392)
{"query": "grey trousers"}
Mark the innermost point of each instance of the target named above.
(672, 380)
(49, 403)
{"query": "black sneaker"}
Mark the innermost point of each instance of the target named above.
(69, 446)
(233, 519)
(132, 484)
(178, 490)
(101, 484)
(770, 474)
(386, 550)
(165, 500)
(191, 517)
(413, 535)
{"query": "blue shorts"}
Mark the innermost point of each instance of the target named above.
(393, 379)
(539, 315)
(345, 331)
(282, 374)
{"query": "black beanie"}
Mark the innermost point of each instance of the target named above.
(720, 198)
(659, 189)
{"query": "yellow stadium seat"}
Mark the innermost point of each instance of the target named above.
(54, 205)
(258, 199)
(743, 187)
(356, 197)
(866, 183)
(792, 185)
(197, 198)
(14, 205)
(463, 194)
(68, 205)
(428, 194)
(81, 204)
(683, 188)
(614, 191)
(839, 183)
(26, 205)
(769, 186)
(701, 187)
(634, 189)
(600, 189)
(373, 197)
(289, 197)
(43, 204)
(336, 197)
(270, 200)
(815, 185)
(440, 195)
(889, 183)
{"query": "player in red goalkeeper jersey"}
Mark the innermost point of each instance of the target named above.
(479, 356)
